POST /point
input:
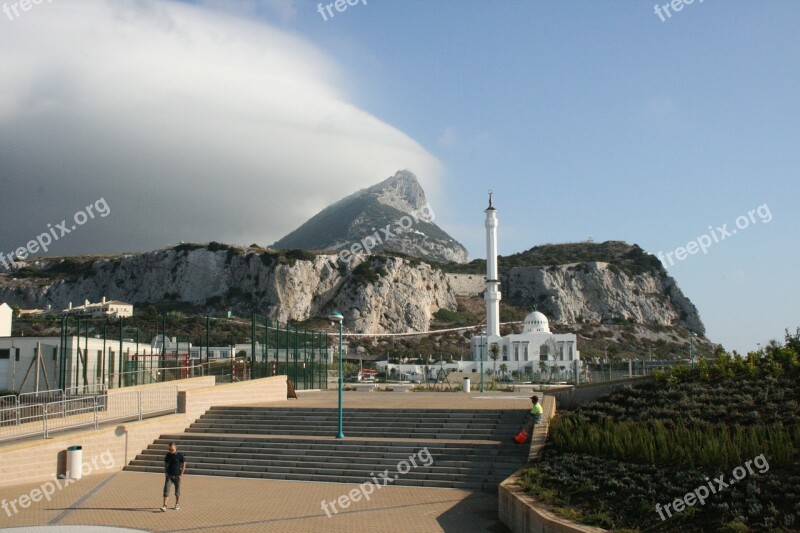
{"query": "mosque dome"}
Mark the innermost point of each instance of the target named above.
(536, 322)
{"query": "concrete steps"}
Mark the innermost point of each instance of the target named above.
(427, 448)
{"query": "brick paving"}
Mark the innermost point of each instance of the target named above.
(132, 500)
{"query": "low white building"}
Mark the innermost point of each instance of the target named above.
(29, 364)
(533, 349)
(6, 314)
(104, 308)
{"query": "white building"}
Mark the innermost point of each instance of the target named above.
(104, 308)
(38, 363)
(536, 349)
(5, 320)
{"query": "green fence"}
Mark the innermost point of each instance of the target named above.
(131, 351)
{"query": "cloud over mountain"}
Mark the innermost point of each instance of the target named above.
(192, 124)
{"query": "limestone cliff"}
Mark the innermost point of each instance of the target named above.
(586, 282)
(598, 292)
(613, 282)
(376, 295)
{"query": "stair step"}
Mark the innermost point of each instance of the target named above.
(297, 444)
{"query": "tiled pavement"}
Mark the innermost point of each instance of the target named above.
(132, 500)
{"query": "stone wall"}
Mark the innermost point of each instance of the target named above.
(520, 512)
(467, 284)
(41, 460)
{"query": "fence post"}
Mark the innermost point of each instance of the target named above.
(139, 401)
(44, 420)
(96, 424)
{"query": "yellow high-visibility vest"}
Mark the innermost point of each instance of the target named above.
(537, 409)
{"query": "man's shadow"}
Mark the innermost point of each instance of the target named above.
(130, 509)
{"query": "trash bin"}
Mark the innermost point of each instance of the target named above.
(74, 462)
(466, 384)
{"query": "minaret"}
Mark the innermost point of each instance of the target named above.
(492, 294)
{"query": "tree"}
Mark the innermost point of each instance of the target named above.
(494, 354)
(503, 368)
(542, 368)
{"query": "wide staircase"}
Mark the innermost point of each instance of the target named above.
(465, 449)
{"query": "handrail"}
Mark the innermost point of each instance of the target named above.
(87, 410)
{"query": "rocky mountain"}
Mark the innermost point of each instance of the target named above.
(390, 216)
(610, 283)
(376, 294)
(574, 283)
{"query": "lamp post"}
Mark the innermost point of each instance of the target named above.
(336, 316)
(691, 347)
(483, 342)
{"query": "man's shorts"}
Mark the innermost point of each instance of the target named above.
(172, 480)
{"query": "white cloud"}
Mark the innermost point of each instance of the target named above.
(192, 124)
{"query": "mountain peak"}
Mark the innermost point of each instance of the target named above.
(401, 191)
(397, 203)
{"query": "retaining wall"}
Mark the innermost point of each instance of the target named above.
(520, 512)
(36, 460)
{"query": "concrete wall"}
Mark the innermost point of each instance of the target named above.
(583, 394)
(195, 402)
(41, 460)
(520, 512)
(467, 284)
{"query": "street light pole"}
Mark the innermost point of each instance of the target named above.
(483, 342)
(336, 316)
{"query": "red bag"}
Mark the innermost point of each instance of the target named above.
(522, 437)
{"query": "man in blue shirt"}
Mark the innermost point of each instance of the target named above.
(174, 467)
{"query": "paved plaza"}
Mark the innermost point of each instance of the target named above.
(132, 500)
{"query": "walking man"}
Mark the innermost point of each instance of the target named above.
(174, 467)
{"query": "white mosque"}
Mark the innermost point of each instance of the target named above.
(533, 350)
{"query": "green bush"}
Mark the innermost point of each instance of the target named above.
(680, 445)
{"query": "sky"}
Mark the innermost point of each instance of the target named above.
(237, 120)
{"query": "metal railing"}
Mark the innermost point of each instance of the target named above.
(46, 396)
(150, 375)
(85, 390)
(8, 401)
(158, 400)
(68, 414)
(22, 421)
(87, 410)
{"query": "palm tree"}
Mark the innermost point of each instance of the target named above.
(503, 369)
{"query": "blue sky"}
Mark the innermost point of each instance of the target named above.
(237, 120)
(598, 119)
